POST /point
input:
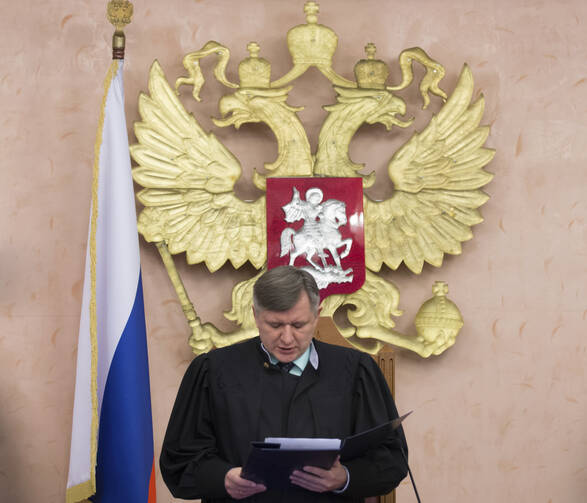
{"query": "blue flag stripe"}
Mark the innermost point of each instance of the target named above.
(125, 442)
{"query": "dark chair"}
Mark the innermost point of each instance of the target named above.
(327, 332)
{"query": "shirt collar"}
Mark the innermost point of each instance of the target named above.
(310, 355)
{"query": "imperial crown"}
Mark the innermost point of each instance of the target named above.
(311, 43)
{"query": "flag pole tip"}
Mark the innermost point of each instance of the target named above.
(119, 13)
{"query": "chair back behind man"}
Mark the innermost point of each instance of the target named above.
(326, 331)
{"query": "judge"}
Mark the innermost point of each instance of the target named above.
(280, 384)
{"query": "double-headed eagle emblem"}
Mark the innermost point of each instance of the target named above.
(189, 176)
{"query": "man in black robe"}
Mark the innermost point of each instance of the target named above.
(280, 384)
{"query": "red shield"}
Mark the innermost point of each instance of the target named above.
(317, 224)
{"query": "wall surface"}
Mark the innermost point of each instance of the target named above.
(501, 416)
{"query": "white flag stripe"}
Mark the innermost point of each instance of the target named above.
(118, 249)
(82, 407)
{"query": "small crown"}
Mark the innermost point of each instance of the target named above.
(311, 43)
(254, 71)
(371, 73)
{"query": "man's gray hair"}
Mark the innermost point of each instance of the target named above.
(279, 289)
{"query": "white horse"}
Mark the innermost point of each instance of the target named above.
(318, 235)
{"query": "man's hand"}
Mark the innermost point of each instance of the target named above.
(240, 488)
(320, 480)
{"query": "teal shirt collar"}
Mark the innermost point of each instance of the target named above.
(310, 355)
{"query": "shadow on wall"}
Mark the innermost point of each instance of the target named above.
(14, 475)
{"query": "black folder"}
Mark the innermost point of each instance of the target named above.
(271, 465)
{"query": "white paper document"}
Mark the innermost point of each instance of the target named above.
(303, 444)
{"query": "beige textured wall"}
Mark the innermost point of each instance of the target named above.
(499, 417)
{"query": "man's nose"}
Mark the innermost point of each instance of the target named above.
(287, 333)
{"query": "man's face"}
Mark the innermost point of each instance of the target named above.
(287, 334)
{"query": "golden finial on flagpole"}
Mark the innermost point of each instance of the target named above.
(119, 13)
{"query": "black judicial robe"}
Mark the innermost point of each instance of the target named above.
(232, 396)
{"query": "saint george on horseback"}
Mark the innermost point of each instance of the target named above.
(318, 235)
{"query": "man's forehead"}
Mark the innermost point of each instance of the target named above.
(288, 316)
(300, 311)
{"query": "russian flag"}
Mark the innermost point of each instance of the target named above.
(112, 432)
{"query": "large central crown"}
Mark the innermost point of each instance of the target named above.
(311, 43)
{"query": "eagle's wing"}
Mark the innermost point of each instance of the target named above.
(188, 178)
(437, 175)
